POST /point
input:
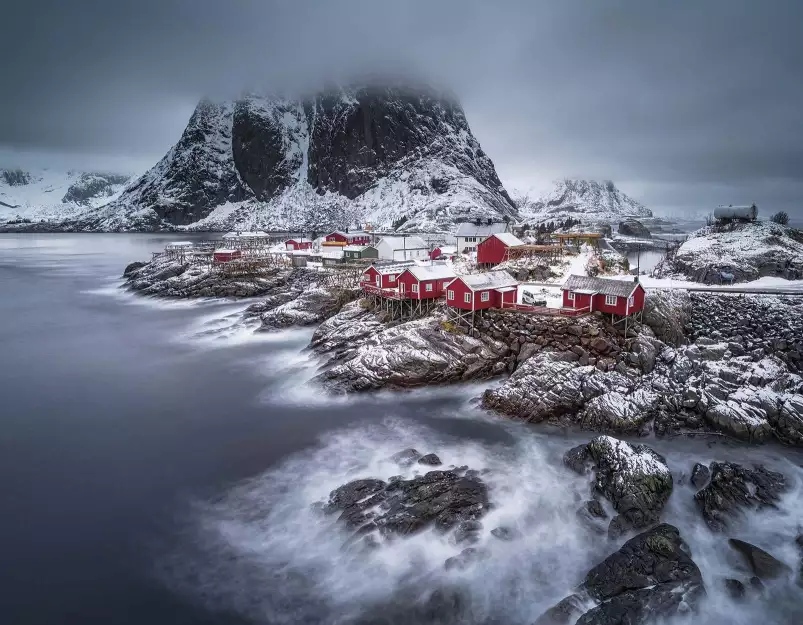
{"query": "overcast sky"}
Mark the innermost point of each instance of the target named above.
(685, 104)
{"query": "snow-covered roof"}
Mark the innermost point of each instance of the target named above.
(245, 235)
(606, 286)
(506, 289)
(488, 280)
(340, 232)
(432, 272)
(225, 251)
(397, 267)
(447, 249)
(404, 243)
(299, 240)
(355, 248)
(508, 239)
(181, 243)
(484, 230)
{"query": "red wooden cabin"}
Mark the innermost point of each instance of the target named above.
(617, 297)
(347, 238)
(382, 276)
(425, 282)
(482, 291)
(447, 251)
(493, 250)
(224, 256)
(298, 244)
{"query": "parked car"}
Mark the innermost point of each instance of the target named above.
(529, 299)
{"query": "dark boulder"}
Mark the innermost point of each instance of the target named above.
(734, 588)
(650, 577)
(440, 499)
(406, 457)
(699, 475)
(764, 565)
(132, 267)
(430, 459)
(634, 228)
(634, 478)
(734, 489)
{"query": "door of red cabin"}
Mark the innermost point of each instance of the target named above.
(401, 288)
(378, 280)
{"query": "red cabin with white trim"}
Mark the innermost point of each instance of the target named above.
(617, 297)
(447, 251)
(493, 250)
(298, 244)
(225, 256)
(383, 276)
(482, 291)
(426, 282)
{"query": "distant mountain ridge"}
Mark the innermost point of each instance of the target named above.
(587, 200)
(384, 155)
(36, 194)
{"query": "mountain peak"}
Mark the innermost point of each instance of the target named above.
(379, 153)
(586, 199)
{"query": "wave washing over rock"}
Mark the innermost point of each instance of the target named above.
(364, 529)
(379, 154)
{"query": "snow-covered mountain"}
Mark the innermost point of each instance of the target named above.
(384, 155)
(35, 194)
(587, 200)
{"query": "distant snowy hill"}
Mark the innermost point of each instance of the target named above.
(744, 251)
(385, 155)
(587, 200)
(37, 194)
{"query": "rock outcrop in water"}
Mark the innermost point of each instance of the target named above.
(634, 228)
(442, 499)
(634, 478)
(734, 490)
(651, 577)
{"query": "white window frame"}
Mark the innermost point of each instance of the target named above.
(570, 296)
(378, 280)
(631, 301)
(611, 300)
(415, 287)
(467, 298)
(392, 277)
(485, 296)
(428, 286)
(450, 294)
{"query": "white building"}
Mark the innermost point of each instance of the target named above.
(402, 248)
(469, 235)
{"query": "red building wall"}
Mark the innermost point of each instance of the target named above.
(292, 244)
(360, 239)
(224, 257)
(581, 300)
(509, 297)
(476, 303)
(491, 251)
(337, 237)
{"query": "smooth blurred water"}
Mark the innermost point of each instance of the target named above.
(159, 463)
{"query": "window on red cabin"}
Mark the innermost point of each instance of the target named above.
(485, 296)
(610, 300)
(378, 279)
(429, 286)
(570, 296)
(467, 298)
(450, 294)
(392, 278)
(630, 301)
(415, 287)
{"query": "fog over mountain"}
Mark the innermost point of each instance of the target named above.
(683, 105)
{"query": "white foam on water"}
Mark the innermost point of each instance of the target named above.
(265, 551)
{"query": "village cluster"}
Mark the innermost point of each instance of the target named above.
(408, 276)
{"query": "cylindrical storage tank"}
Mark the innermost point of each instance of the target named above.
(736, 212)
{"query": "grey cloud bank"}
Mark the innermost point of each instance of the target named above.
(684, 104)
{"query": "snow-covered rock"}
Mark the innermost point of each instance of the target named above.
(415, 353)
(587, 200)
(634, 478)
(737, 252)
(385, 155)
(33, 195)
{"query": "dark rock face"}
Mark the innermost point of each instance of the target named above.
(634, 228)
(764, 565)
(440, 499)
(258, 146)
(340, 142)
(132, 267)
(93, 185)
(633, 478)
(734, 489)
(15, 177)
(650, 577)
(699, 475)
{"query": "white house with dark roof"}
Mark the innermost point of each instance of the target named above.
(470, 235)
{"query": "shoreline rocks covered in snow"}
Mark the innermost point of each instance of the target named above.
(737, 252)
